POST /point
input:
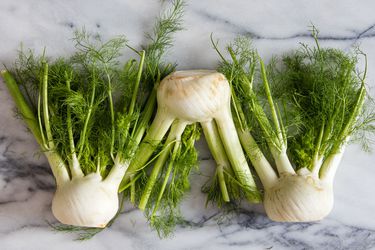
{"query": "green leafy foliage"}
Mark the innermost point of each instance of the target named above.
(172, 181)
(72, 101)
(325, 88)
(92, 73)
(319, 95)
(236, 191)
(82, 233)
(250, 107)
(161, 39)
(93, 112)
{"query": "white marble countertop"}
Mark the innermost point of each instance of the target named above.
(26, 183)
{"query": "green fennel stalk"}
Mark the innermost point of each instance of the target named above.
(157, 178)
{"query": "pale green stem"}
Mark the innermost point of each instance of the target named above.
(271, 103)
(138, 80)
(278, 145)
(58, 168)
(239, 114)
(74, 165)
(283, 131)
(145, 118)
(317, 164)
(44, 142)
(98, 167)
(174, 135)
(345, 132)
(234, 151)
(330, 165)
(138, 134)
(134, 100)
(50, 143)
(266, 173)
(156, 168)
(88, 117)
(117, 172)
(218, 152)
(23, 107)
(318, 158)
(180, 126)
(112, 111)
(282, 161)
(132, 189)
(155, 134)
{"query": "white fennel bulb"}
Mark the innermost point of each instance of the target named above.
(87, 201)
(296, 198)
(298, 114)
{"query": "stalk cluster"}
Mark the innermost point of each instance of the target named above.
(291, 121)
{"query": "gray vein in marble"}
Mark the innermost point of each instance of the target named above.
(27, 183)
(20, 168)
(334, 235)
(367, 32)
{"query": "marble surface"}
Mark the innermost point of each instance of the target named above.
(26, 184)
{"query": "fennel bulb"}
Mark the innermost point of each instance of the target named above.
(68, 106)
(185, 98)
(316, 107)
